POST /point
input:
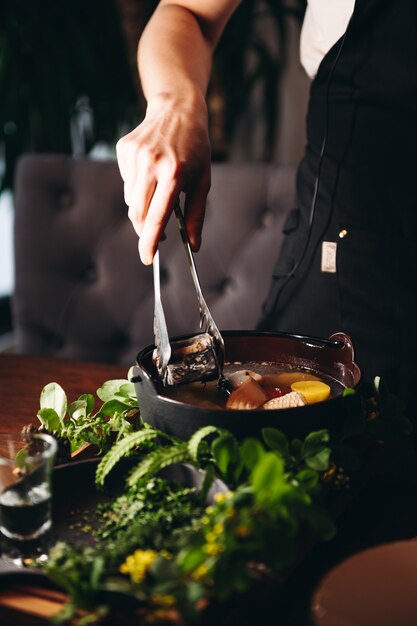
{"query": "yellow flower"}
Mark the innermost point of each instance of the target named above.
(221, 497)
(218, 529)
(162, 616)
(213, 549)
(162, 600)
(167, 555)
(211, 537)
(205, 520)
(200, 572)
(137, 564)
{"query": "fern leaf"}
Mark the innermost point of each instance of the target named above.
(157, 460)
(120, 449)
(196, 439)
(209, 476)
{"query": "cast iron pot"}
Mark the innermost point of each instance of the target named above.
(333, 357)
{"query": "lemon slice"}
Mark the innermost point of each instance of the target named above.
(312, 390)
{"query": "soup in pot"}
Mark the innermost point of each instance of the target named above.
(262, 386)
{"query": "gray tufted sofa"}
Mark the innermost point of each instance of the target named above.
(80, 288)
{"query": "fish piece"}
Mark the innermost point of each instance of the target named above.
(249, 395)
(236, 379)
(290, 400)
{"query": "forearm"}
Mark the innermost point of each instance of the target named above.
(175, 50)
(169, 152)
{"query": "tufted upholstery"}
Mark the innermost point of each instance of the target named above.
(81, 291)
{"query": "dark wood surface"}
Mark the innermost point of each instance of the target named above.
(384, 510)
(21, 381)
(23, 377)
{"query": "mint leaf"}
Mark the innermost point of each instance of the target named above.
(111, 388)
(319, 461)
(50, 419)
(268, 473)
(252, 451)
(276, 440)
(225, 451)
(54, 397)
(315, 442)
(77, 409)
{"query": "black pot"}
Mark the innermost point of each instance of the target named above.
(332, 357)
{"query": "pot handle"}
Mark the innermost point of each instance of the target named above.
(140, 378)
(347, 348)
(342, 340)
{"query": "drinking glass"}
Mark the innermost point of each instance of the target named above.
(26, 462)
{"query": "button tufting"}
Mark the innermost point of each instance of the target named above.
(90, 275)
(65, 199)
(224, 285)
(266, 219)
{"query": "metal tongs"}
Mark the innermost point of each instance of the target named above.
(200, 357)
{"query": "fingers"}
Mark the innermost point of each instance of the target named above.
(139, 180)
(151, 184)
(159, 211)
(161, 157)
(139, 190)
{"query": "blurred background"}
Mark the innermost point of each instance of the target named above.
(68, 84)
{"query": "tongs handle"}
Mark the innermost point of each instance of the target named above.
(184, 237)
(162, 343)
(207, 323)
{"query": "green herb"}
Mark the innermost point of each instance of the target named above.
(160, 542)
(148, 512)
(117, 416)
(162, 554)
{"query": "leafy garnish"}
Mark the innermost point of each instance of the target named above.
(165, 556)
(121, 449)
(117, 415)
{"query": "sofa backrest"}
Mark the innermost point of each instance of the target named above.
(80, 288)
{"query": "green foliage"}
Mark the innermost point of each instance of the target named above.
(116, 417)
(167, 543)
(197, 439)
(160, 542)
(53, 54)
(225, 452)
(122, 449)
(158, 459)
(144, 516)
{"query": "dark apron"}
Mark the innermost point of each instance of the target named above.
(365, 95)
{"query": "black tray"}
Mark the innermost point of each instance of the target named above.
(76, 497)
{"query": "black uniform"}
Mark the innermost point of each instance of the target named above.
(349, 259)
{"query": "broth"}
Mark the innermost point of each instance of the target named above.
(208, 395)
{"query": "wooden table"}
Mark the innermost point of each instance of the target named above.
(385, 510)
(23, 377)
(21, 381)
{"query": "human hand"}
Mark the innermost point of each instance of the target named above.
(167, 153)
